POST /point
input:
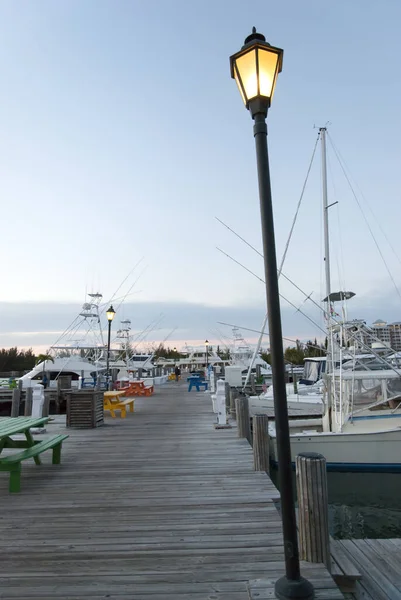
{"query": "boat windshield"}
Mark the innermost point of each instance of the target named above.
(313, 370)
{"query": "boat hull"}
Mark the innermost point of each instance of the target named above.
(349, 452)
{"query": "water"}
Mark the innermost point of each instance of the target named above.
(363, 505)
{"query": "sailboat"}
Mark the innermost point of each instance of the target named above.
(361, 425)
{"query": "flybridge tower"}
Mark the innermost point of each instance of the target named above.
(123, 336)
(85, 333)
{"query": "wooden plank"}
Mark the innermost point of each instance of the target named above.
(343, 560)
(155, 506)
(376, 583)
(386, 558)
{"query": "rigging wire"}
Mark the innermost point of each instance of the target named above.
(364, 217)
(339, 249)
(64, 332)
(141, 336)
(268, 335)
(284, 254)
(368, 205)
(334, 321)
(132, 286)
(261, 255)
(122, 283)
(306, 296)
(71, 330)
(299, 205)
(281, 296)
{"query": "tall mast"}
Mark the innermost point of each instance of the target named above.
(323, 131)
(329, 350)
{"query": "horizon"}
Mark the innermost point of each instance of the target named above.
(116, 164)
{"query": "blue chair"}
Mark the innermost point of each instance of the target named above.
(193, 382)
(197, 382)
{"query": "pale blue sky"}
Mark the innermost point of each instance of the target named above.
(122, 136)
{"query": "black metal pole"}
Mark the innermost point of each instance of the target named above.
(292, 585)
(207, 359)
(108, 356)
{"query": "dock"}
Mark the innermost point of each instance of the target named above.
(379, 566)
(157, 506)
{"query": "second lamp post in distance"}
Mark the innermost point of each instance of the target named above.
(110, 316)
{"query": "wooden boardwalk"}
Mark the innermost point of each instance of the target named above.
(379, 564)
(159, 506)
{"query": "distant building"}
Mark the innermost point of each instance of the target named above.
(388, 333)
(395, 332)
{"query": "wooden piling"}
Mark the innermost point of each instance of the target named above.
(228, 399)
(28, 402)
(46, 404)
(233, 395)
(260, 443)
(243, 421)
(252, 380)
(15, 402)
(313, 520)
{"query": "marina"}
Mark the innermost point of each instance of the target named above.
(200, 356)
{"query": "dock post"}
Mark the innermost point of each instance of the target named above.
(15, 402)
(261, 443)
(313, 518)
(253, 383)
(221, 405)
(228, 400)
(28, 402)
(46, 404)
(233, 395)
(243, 422)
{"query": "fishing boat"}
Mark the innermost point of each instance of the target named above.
(76, 352)
(81, 352)
(361, 426)
(242, 355)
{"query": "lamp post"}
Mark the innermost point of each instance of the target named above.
(110, 316)
(255, 68)
(207, 356)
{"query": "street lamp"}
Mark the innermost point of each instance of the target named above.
(207, 356)
(255, 68)
(110, 316)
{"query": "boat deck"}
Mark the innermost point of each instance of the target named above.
(157, 506)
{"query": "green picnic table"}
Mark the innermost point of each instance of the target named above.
(10, 426)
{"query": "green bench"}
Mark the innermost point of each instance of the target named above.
(13, 462)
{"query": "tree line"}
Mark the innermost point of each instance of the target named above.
(294, 355)
(13, 359)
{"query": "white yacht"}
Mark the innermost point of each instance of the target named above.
(81, 351)
(195, 358)
(361, 425)
(242, 355)
(75, 366)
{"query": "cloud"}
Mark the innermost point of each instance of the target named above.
(39, 324)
